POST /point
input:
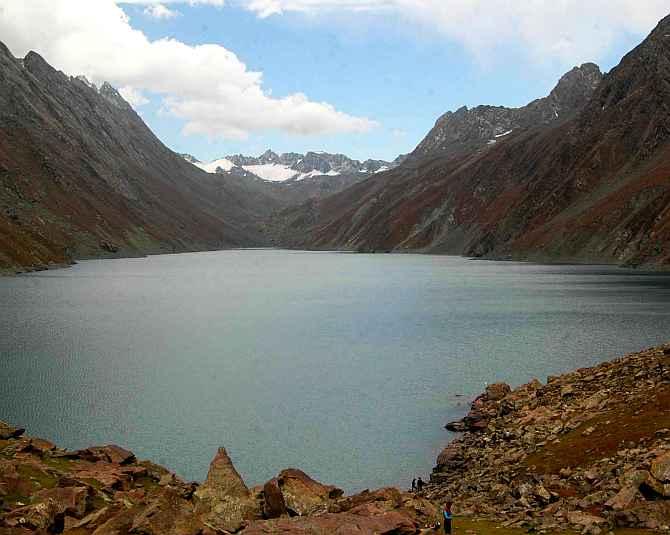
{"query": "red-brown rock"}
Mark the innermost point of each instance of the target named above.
(304, 495)
(274, 505)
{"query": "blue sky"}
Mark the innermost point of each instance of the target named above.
(372, 68)
(367, 78)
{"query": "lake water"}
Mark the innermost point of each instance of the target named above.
(345, 365)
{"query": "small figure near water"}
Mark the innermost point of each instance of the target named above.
(419, 484)
(446, 517)
(414, 485)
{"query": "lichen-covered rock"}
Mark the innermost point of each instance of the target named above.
(223, 500)
(304, 495)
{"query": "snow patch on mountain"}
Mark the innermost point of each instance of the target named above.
(271, 171)
(212, 167)
(316, 172)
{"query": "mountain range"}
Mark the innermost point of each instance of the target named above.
(292, 166)
(582, 174)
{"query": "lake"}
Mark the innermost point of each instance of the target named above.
(345, 365)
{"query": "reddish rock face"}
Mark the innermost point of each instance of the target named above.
(274, 504)
(223, 479)
(302, 494)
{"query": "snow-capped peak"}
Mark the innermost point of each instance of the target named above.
(292, 166)
(212, 167)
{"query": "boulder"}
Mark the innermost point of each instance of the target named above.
(660, 468)
(497, 391)
(71, 501)
(223, 500)
(223, 479)
(450, 457)
(45, 516)
(589, 523)
(274, 505)
(388, 499)
(7, 431)
(304, 495)
(37, 446)
(112, 454)
(624, 498)
(166, 513)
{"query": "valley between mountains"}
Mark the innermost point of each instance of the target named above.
(581, 175)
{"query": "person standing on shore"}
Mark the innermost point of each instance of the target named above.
(446, 517)
(419, 485)
(414, 485)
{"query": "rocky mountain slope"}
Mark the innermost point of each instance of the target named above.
(81, 175)
(292, 178)
(589, 449)
(591, 185)
(466, 130)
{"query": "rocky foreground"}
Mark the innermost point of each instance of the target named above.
(106, 490)
(589, 451)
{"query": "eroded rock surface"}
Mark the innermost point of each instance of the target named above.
(589, 449)
(107, 491)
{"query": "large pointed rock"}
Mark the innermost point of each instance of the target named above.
(224, 500)
(223, 478)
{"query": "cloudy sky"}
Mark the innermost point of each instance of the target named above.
(363, 77)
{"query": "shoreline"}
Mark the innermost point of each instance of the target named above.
(642, 269)
(110, 479)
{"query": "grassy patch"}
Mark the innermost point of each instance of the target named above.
(624, 426)
(473, 526)
(59, 463)
(39, 478)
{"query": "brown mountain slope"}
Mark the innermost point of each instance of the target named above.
(82, 176)
(595, 187)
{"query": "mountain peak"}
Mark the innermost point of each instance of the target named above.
(469, 129)
(576, 86)
(113, 96)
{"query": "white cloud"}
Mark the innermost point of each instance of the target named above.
(219, 3)
(570, 31)
(205, 85)
(134, 97)
(159, 11)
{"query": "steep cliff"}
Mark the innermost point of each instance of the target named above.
(81, 175)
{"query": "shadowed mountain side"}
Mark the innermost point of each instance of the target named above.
(81, 175)
(595, 187)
